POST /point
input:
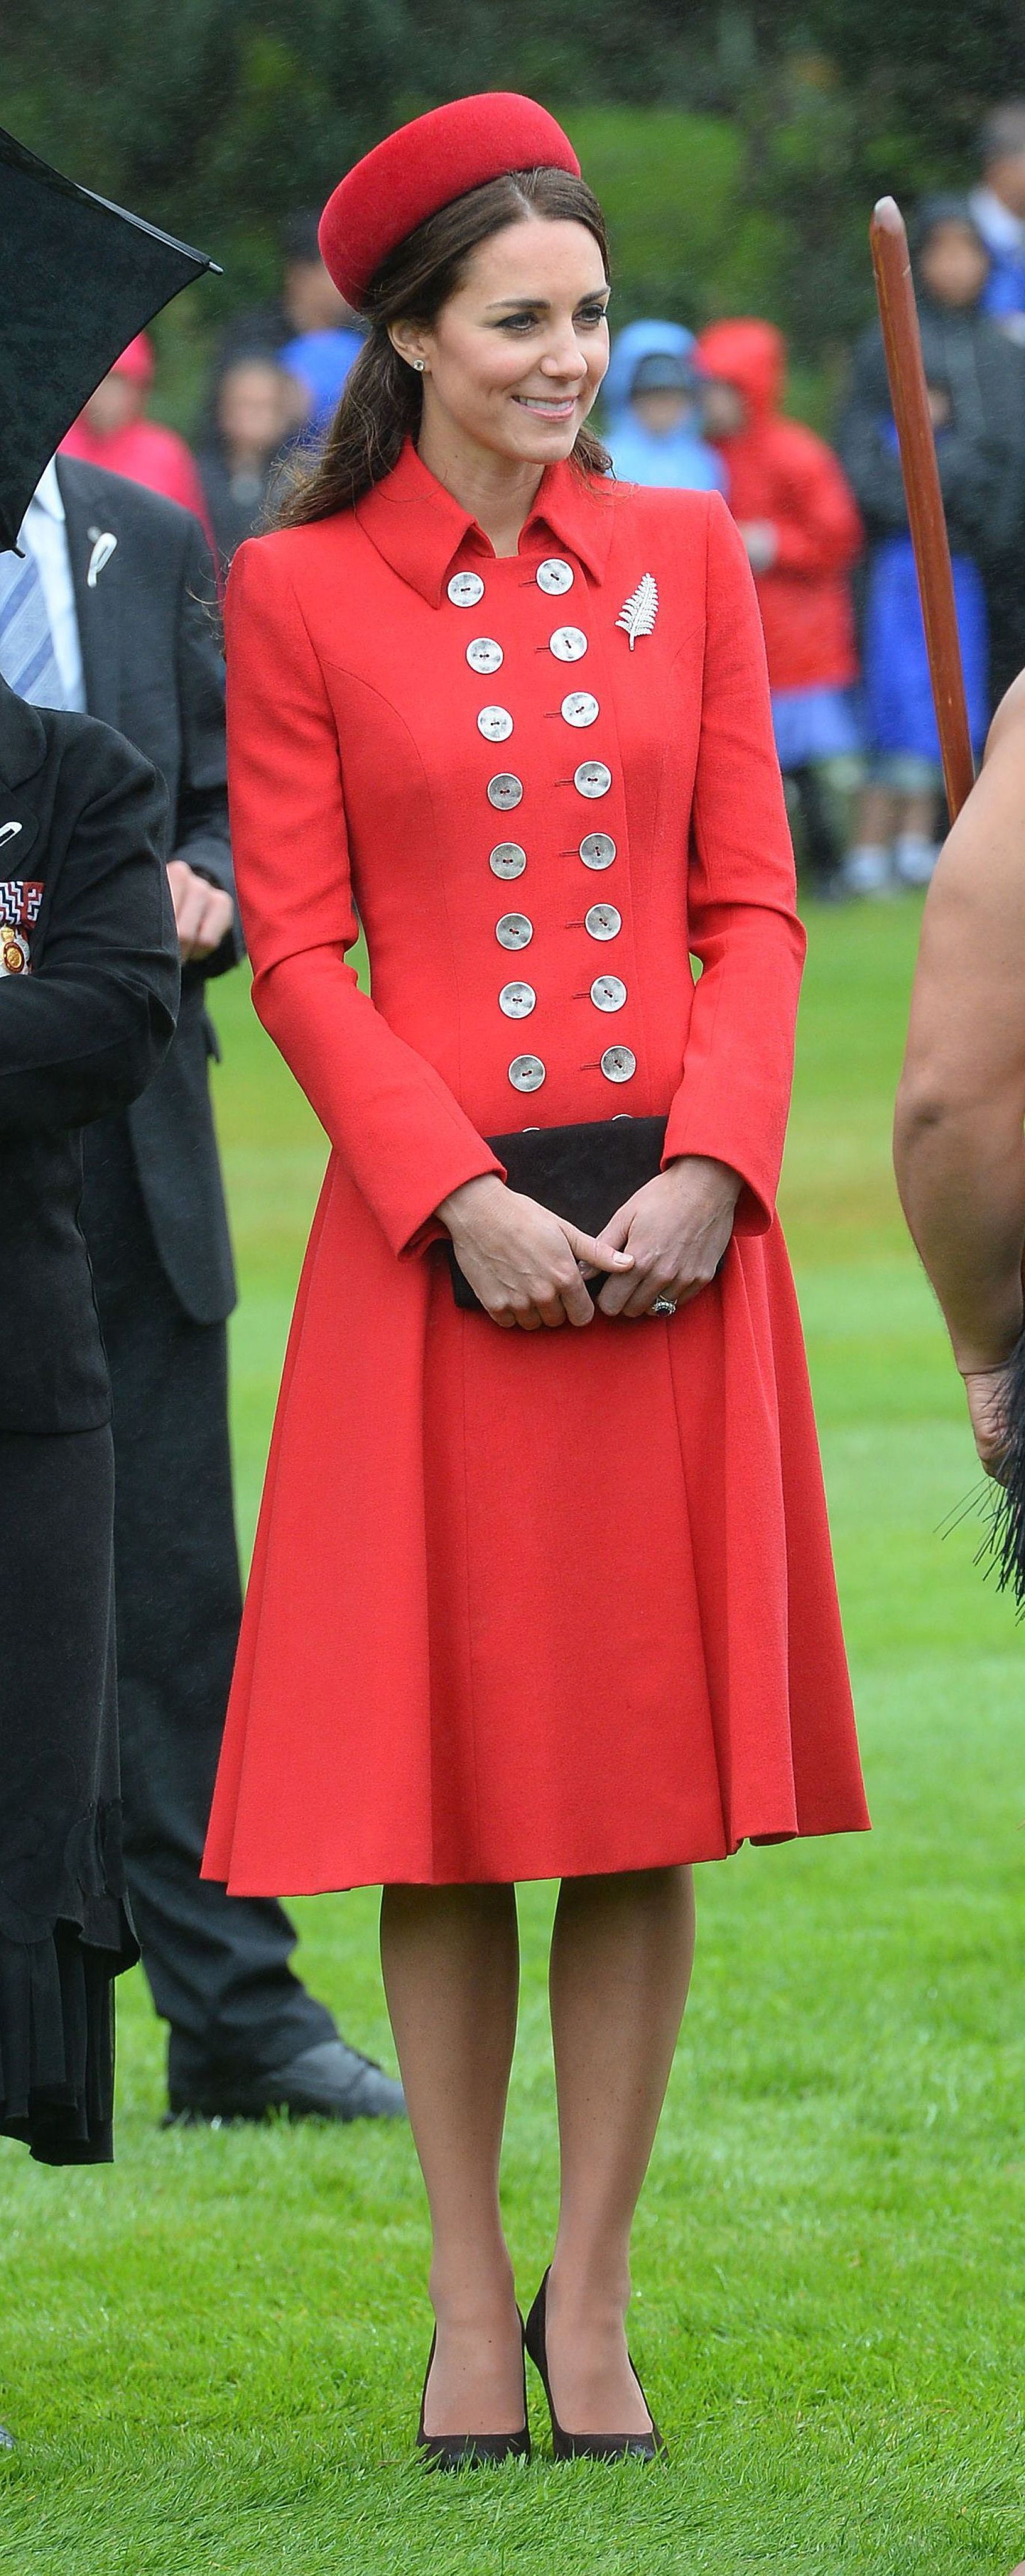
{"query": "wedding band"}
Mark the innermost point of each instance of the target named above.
(663, 1306)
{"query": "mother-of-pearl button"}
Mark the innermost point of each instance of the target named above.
(619, 1064)
(603, 921)
(608, 992)
(484, 654)
(505, 790)
(569, 644)
(517, 1001)
(465, 589)
(507, 859)
(580, 708)
(554, 576)
(598, 850)
(514, 930)
(592, 778)
(526, 1073)
(495, 723)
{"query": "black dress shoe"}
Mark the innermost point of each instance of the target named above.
(470, 2450)
(329, 2082)
(585, 2446)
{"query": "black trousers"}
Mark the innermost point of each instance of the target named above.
(217, 1964)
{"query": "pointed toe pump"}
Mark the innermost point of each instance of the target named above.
(585, 2446)
(448, 2451)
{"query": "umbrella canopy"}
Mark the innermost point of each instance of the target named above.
(81, 278)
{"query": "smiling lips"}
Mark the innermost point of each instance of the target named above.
(551, 410)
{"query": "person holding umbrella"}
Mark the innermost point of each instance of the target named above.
(89, 982)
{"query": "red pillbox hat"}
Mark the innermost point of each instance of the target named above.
(422, 166)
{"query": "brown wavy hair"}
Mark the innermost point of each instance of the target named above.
(382, 400)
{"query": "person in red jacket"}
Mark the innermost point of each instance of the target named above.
(113, 431)
(800, 525)
(543, 1583)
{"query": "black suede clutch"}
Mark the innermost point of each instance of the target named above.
(583, 1173)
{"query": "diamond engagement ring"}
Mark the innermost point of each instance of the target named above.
(663, 1306)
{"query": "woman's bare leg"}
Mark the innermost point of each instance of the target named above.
(450, 1957)
(621, 1959)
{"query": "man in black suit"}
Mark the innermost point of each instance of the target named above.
(129, 589)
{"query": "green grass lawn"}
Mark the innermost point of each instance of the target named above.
(212, 2352)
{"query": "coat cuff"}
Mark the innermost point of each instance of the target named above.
(429, 1228)
(699, 1132)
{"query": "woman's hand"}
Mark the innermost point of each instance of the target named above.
(677, 1228)
(986, 1390)
(524, 1264)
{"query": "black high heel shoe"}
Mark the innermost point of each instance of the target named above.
(472, 2450)
(585, 2446)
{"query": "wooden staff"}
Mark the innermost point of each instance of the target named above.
(902, 341)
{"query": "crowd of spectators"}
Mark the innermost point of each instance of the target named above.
(825, 527)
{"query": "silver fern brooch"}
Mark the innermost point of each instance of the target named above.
(638, 613)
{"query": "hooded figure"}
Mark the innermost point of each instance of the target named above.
(802, 533)
(793, 507)
(651, 410)
(983, 452)
(976, 379)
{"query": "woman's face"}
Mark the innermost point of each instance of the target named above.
(516, 356)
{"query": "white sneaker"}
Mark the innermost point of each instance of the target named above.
(867, 870)
(914, 858)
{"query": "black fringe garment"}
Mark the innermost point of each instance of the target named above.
(64, 1929)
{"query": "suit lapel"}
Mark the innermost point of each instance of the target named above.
(98, 602)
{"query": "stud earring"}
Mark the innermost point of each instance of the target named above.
(418, 365)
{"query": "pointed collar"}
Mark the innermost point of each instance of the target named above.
(419, 527)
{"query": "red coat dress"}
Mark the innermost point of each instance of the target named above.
(522, 1604)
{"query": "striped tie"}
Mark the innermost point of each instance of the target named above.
(27, 658)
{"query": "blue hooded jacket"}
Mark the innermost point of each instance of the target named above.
(682, 460)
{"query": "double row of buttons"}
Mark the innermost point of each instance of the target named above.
(508, 860)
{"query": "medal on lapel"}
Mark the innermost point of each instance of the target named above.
(638, 613)
(20, 899)
(14, 951)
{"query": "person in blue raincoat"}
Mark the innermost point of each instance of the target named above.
(652, 411)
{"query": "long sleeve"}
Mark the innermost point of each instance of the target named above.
(817, 526)
(395, 1123)
(84, 1034)
(734, 1097)
(200, 825)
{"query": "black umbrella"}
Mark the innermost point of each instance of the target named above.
(81, 278)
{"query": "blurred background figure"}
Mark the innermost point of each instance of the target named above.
(977, 390)
(997, 207)
(801, 528)
(651, 404)
(113, 431)
(254, 414)
(307, 327)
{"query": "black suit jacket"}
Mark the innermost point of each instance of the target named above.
(82, 1028)
(151, 658)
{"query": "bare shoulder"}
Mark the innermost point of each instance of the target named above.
(1007, 731)
(978, 892)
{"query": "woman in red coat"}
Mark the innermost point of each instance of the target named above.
(542, 1587)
